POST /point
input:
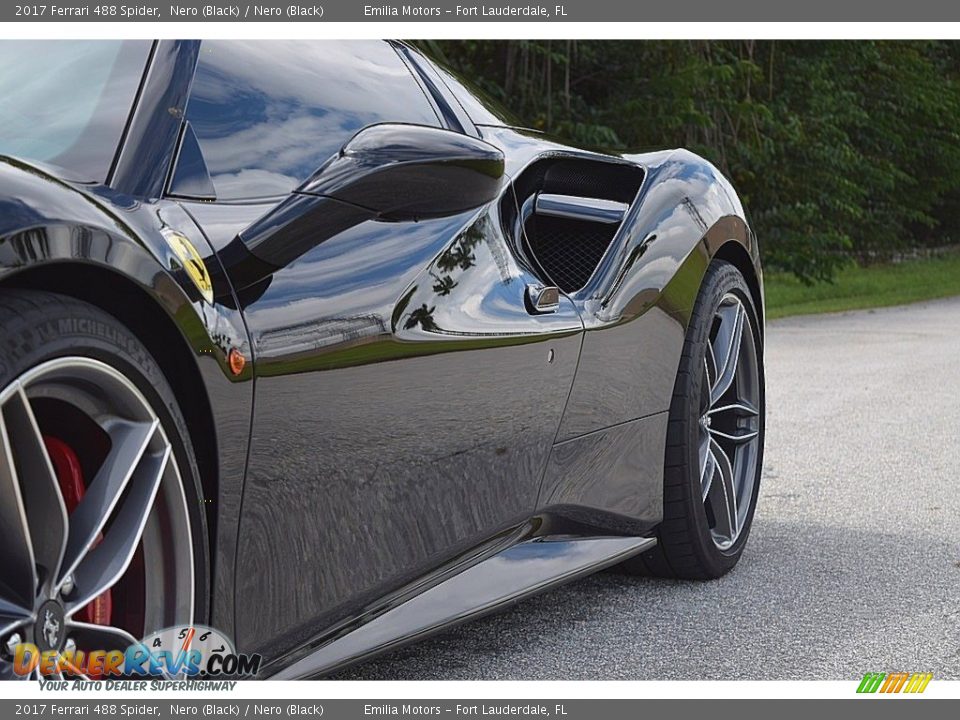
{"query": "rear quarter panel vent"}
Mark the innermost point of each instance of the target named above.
(565, 248)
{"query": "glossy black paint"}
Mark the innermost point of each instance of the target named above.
(430, 388)
(411, 172)
(607, 478)
(413, 417)
(388, 172)
(148, 147)
(190, 178)
(487, 585)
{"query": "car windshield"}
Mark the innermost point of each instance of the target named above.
(66, 102)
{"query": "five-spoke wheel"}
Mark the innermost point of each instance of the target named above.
(729, 421)
(715, 430)
(94, 520)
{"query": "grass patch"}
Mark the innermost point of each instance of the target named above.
(856, 288)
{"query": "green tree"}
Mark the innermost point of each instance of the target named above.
(841, 149)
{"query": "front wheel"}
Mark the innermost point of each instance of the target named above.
(102, 538)
(714, 452)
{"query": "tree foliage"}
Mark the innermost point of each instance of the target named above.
(839, 149)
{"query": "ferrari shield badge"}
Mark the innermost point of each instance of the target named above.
(192, 263)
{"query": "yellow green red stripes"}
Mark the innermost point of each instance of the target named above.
(894, 682)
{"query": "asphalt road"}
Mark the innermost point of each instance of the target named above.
(854, 560)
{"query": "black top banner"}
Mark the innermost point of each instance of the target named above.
(577, 11)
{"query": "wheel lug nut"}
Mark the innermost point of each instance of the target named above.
(67, 586)
(11, 644)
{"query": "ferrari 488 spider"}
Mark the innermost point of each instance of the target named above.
(311, 343)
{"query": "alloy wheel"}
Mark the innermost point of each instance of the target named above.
(97, 547)
(730, 424)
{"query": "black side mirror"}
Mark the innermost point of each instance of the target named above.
(409, 172)
(390, 172)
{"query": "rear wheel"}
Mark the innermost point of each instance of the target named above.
(99, 515)
(715, 435)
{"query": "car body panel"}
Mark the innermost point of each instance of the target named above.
(523, 568)
(610, 478)
(397, 368)
(641, 294)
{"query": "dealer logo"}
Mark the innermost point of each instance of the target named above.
(898, 682)
(182, 651)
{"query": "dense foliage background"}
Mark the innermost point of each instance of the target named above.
(840, 150)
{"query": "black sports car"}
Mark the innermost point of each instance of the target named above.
(310, 343)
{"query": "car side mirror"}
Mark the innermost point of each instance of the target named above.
(390, 172)
(410, 172)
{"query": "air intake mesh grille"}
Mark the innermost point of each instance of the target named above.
(568, 251)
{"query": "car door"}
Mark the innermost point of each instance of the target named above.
(408, 389)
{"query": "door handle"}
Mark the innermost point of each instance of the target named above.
(542, 300)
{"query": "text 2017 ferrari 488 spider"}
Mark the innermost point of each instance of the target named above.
(310, 343)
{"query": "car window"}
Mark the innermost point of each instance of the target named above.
(478, 104)
(66, 102)
(268, 114)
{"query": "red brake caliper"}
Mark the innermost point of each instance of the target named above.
(66, 464)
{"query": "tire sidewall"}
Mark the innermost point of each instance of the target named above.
(722, 279)
(82, 330)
